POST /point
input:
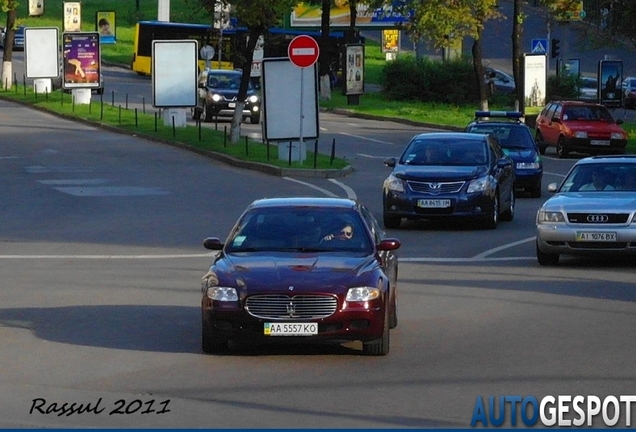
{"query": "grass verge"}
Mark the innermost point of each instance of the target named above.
(152, 126)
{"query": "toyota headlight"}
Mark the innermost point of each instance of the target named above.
(580, 134)
(224, 294)
(216, 97)
(361, 294)
(479, 185)
(544, 216)
(253, 99)
(393, 183)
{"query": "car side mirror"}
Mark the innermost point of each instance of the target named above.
(390, 162)
(504, 163)
(556, 119)
(552, 187)
(389, 244)
(212, 243)
(619, 122)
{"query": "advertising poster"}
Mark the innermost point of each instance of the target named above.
(390, 40)
(105, 26)
(535, 81)
(82, 62)
(309, 15)
(354, 69)
(610, 79)
(36, 7)
(573, 67)
(72, 16)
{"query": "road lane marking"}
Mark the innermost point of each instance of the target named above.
(350, 192)
(325, 191)
(366, 138)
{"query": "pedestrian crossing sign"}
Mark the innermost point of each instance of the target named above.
(539, 46)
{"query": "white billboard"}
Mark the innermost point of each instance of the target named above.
(292, 113)
(41, 52)
(174, 87)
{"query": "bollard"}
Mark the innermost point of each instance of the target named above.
(143, 105)
(136, 119)
(224, 136)
(101, 107)
(112, 98)
(174, 129)
(315, 154)
(126, 101)
(119, 114)
(155, 122)
(290, 153)
(199, 127)
(246, 149)
(333, 151)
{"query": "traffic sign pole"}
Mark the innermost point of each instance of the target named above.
(303, 51)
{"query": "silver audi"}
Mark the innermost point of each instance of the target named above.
(593, 210)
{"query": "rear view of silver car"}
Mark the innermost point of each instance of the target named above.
(592, 212)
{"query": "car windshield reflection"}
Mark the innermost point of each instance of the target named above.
(445, 152)
(597, 177)
(292, 230)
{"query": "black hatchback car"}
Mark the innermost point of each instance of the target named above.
(450, 174)
(516, 140)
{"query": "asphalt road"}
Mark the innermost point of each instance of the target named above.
(101, 260)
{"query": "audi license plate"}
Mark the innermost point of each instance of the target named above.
(433, 203)
(232, 105)
(290, 329)
(600, 142)
(596, 236)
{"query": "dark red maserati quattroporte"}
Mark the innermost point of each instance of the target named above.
(301, 270)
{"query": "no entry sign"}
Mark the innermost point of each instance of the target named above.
(303, 51)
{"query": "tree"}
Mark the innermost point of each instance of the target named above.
(257, 16)
(8, 6)
(444, 21)
(517, 53)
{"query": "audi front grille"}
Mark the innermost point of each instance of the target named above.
(598, 218)
(291, 307)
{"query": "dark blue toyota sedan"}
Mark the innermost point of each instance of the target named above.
(515, 138)
(450, 174)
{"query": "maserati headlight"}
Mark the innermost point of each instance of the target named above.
(549, 217)
(479, 185)
(580, 134)
(253, 99)
(361, 294)
(224, 294)
(393, 183)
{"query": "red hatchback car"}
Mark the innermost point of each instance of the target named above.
(585, 127)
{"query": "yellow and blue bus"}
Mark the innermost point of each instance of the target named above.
(148, 31)
(229, 40)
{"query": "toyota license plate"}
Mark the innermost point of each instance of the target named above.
(600, 142)
(290, 329)
(596, 236)
(231, 104)
(434, 203)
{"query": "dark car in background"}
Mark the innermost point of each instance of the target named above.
(301, 270)
(517, 142)
(18, 41)
(629, 92)
(218, 92)
(586, 127)
(450, 175)
(592, 212)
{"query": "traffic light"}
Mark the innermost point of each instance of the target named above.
(554, 48)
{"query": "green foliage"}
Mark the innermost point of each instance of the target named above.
(426, 80)
(564, 86)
